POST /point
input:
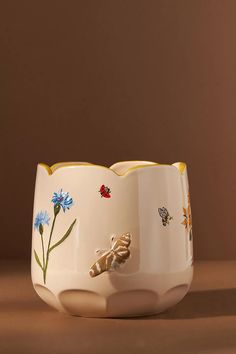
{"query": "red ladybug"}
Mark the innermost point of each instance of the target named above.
(105, 191)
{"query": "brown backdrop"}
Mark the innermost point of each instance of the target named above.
(104, 81)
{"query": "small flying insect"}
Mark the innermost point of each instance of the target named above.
(105, 191)
(165, 216)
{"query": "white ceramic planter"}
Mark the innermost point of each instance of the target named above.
(112, 242)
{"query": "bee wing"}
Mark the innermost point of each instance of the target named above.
(160, 212)
(113, 258)
(163, 212)
(122, 252)
(103, 264)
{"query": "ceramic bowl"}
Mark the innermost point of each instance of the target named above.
(112, 242)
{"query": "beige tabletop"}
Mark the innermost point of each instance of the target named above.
(204, 322)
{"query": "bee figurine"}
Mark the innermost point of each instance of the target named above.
(105, 191)
(165, 216)
(112, 258)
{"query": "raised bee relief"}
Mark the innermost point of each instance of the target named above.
(165, 216)
(113, 258)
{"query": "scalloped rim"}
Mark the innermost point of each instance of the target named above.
(180, 166)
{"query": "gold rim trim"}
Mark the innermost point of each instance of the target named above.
(180, 166)
(58, 165)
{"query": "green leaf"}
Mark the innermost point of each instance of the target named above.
(63, 238)
(38, 260)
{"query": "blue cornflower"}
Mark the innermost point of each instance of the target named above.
(42, 218)
(62, 199)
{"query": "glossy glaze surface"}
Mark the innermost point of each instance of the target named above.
(159, 270)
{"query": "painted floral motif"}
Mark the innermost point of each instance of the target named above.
(165, 216)
(105, 191)
(112, 259)
(187, 222)
(42, 218)
(61, 201)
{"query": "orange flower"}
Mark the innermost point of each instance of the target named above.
(187, 222)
